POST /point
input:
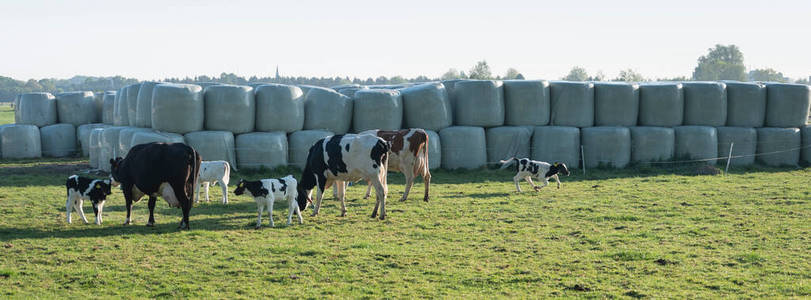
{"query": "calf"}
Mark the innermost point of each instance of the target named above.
(339, 158)
(408, 154)
(526, 169)
(83, 188)
(212, 172)
(266, 191)
(153, 169)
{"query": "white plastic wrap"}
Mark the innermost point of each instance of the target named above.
(262, 149)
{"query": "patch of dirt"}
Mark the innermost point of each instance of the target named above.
(52, 168)
(708, 170)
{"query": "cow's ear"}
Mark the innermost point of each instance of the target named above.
(112, 162)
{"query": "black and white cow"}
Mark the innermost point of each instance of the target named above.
(168, 170)
(526, 169)
(339, 158)
(266, 191)
(83, 188)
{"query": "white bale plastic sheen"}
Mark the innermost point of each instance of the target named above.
(132, 103)
(325, 109)
(652, 144)
(20, 141)
(426, 106)
(449, 89)
(108, 108)
(213, 145)
(746, 104)
(109, 146)
(526, 102)
(37, 109)
(616, 104)
(661, 104)
(262, 149)
(279, 107)
(177, 108)
(506, 142)
(572, 104)
(696, 143)
(787, 104)
(299, 144)
(434, 150)
(145, 137)
(94, 146)
(98, 98)
(306, 88)
(58, 140)
(463, 147)
(1, 138)
(805, 152)
(705, 103)
(377, 109)
(350, 90)
(606, 146)
(76, 108)
(778, 146)
(143, 104)
(125, 138)
(230, 108)
(743, 141)
(120, 114)
(83, 136)
(479, 103)
(557, 144)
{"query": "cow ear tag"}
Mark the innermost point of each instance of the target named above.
(241, 184)
(556, 164)
(98, 186)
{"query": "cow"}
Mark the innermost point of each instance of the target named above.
(211, 172)
(152, 169)
(266, 191)
(526, 169)
(339, 158)
(408, 154)
(83, 188)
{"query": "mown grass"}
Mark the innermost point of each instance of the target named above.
(635, 233)
(6, 114)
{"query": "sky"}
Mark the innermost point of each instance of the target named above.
(152, 40)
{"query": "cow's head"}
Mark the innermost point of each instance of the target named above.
(303, 197)
(560, 168)
(240, 187)
(101, 190)
(115, 171)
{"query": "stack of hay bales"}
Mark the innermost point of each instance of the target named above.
(616, 104)
(94, 147)
(108, 114)
(572, 104)
(661, 104)
(132, 103)
(299, 144)
(213, 145)
(125, 139)
(426, 106)
(58, 140)
(279, 107)
(262, 149)
(377, 109)
(37, 109)
(177, 108)
(230, 108)
(556, 144)
(20, 141)
(652, 144)
(83, 136)
(506, 142)
(696, 143)
(463, 147)
(325, 109)
(479, 103)
(526, 102)
(705, 103)
(76, 108)
(143, 104)
(606, 146)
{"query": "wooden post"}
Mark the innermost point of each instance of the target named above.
(729, 158)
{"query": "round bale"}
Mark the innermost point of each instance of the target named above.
(143, 104)
(213, 145)
(109, 146)
(125, 138)
(787, 104)
(120, 115)
(58, 140)
(328, 110)
(652, 144)
(76, 108)
(479, 103)
(20, 141)
(606, 146)
(806, 143)
(434, 150)
(746, 104)
(463, 147)
(144, 137)
(230, 108)
(705, 103)
(262, 149)
(132, 103)
(743, 141)
(37, 109)
(279, 107)
(572, 103)
(177, 108)
(300, 143)
(778, 146)
(83, 136)
(661, 104)
(377, 109)
(557, 144)
(108, 115)
(94, 145)
(507, 141)
(426, 106)
(696, 143)
(98, 99)
(616, 103)
(449, 88)
(526, 102)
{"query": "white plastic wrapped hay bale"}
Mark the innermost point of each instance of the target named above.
(108, 108)
(377, 109)
(98, 98)
(507, 141)
(170, 100)
(479, 103)
(83, 136)
(778, 146)
(1, 138)
(805, 152)
(230, 108)
(326, 109)
(787, 104)
(652, 144)
(213, 145)
(463, 147)
(606, 146)
(300, 142)
(143, 104)
(58, 140)
(145, 137)
(526, 102)
(37, 109)
(449, 88)
(279, 107)
(261, 149)
(17, 108)
(109, 146)
(120, 115)
(557, 144)
(20, 141)
(616, 104)
(743, 141)
(705, 103)
(696, 143)
(746, 104)
(350, 91)
(426, 106)
(76, 108)
(434, 150)
(132, 103)
(125, 138)
(571, 104)
(94, 145)
(306, 88)
(661, 104)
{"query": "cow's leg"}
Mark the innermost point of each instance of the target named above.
(557, 179)
(380, 191)
(270, 199)
(342, 197)
(100, 207)
(517, 180)
(69, 206)
(335, 190)
(368, 190)
(196, 193)
(409, 178)
(127, 191)
(80, 209)
(426, 179)
(320, 196)
(224, 188)
(260, 208)
(185, 203)
(207, 185)
(151, 205)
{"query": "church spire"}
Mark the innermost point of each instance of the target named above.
(277, 72)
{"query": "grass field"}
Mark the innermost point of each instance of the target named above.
(630, 234)
(6, 114)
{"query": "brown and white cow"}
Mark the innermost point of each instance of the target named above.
(408, 154)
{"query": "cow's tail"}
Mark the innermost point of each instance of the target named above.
(505, 163)
(194, 162)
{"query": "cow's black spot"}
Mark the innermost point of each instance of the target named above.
(283, 188)
(335, 161)
(256, 188)
(379, 152)
(523, 166)
(533, 168)
(313, 173)
(347, 147)
(374, 166)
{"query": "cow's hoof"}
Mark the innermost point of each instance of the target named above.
(382, 217)
(374, 216)
(150, 224)
(257, 227)
(126, 223)
(343, 214)
(425, 199)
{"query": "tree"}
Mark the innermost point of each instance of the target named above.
(767, 74)
(462, 75)
(519, 76)
(629, 75)
(722, 62)
(600, 76)
(512, 73)
(450, 74)
(481, 71)
(804, 81)
(577, 74)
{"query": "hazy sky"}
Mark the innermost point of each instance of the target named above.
(542, 39)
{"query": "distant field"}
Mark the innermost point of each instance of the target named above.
(631, 234)
(6, 114)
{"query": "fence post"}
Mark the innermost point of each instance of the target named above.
(583, 158)
(729, 158)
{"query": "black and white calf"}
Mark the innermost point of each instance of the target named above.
(266, 191)
(526, 169)
(211, 172)
(83, 188)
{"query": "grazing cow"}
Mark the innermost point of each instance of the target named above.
(212, 172)
(266, 191)
(339, 158)
(526, 169)
(152, 169)
(408, 154)
(83, 188)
